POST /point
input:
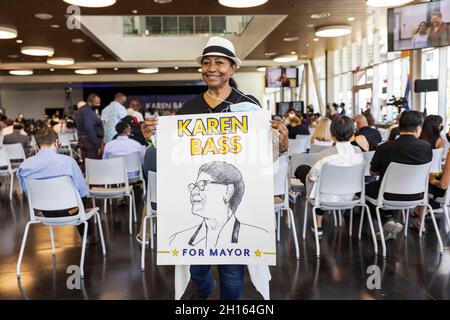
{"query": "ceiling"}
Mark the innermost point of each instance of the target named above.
(21, 14)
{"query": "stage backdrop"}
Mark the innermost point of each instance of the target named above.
(215, 189)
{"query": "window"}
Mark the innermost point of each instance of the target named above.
(431, 63)
(170, 25)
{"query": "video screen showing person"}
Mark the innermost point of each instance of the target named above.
(281, 77)
(419, 26)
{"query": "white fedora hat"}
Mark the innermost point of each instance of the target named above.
(218, 46)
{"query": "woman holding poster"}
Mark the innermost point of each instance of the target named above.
(219, 63)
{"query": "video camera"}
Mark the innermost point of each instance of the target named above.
(400, 103)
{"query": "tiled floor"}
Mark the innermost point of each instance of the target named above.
(413, 269)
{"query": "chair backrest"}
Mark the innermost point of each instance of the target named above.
(404, 179)
(41, 196)
(280, 177)
(299, 144)
(4, 160)
(340, 180)
(368, 158)
(109, 171)
(151, 188)
(132, 163)
(15, 151)
(437, 160)
(299, 159)
(317, 148)
(65, 139)
(2, 137)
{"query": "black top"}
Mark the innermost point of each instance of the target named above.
(373, 137)
(199, 105)
(90, 125)
(395, 132)
(406, 150)
(433, 142)
(294, 131)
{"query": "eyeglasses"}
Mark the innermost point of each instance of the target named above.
(201, 185)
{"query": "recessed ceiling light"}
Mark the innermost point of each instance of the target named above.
(148, 70)
(270, 54)
(21, 72)
(61, 61)
(241, 3)
(52, 69)
(387, 3)
(7, 33)
(320, 15)
(13, 56)
(303, 56)
(261, 69)
(162, 1)
(19, 41)
(86, 71)
(54, 26)
(199, 70)
(293, 52)
(176, 68)
(91, 3)
(78, 40)
(311, 25)
(307, 44)
(37, 51)
(316, 39)
(333, 31)
(351, 19)
(286, 58)
(115, 69)
(43, 16)
(97, 55)
(290, 39)
(134, 11)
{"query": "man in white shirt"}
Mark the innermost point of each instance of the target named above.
(133, 110)
(112, 115)
(123, 145)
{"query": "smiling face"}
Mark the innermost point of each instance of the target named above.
(436, 20)
(217, 71)
(423, 27)
(209, 203)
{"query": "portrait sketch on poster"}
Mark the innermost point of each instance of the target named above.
(215, 189)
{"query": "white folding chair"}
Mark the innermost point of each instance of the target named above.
(106, 173)
(298, 145)
(151, 197)
(66, 143)
(404, 179)
(317, 149)
(281, 188)
(6, 170)
(41, 196)
(33, 145)
(368, 159)
(437, 160)
(16, 153)
(445, 204)
(351, 181)
(134, 169)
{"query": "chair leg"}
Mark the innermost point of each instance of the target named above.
(316, 236)
(446, 214)
(422, 222)
(372, 230)
(340, 218)
(100, 231)
(11, 187)
(151, 234)
(361, 221)
(294, 231)
(405, 222)
(436, 228)
(52, 239)
(144, 191)
(403, 216)
(22, 247)
(278, 224)
(351, 223)
(305, 219)
(83, 249)
(105, 205)
(380, 225)
(93, 202)
(144, 236)
(134, 206)
(130, 209)
(334, 217)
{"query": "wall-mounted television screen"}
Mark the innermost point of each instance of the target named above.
(419, 26)
(281, 77)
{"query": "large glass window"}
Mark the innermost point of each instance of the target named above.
(431, 63)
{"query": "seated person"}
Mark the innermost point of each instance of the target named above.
(295, 127)
(342, 154)
(122, 145)
(136, 132)
(148, 132)
(371, 135)
(431, 131)
(17, 137)
(406, 149)
(322, 134)
(47, 163)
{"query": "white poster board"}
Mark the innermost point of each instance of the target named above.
(215, 189)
